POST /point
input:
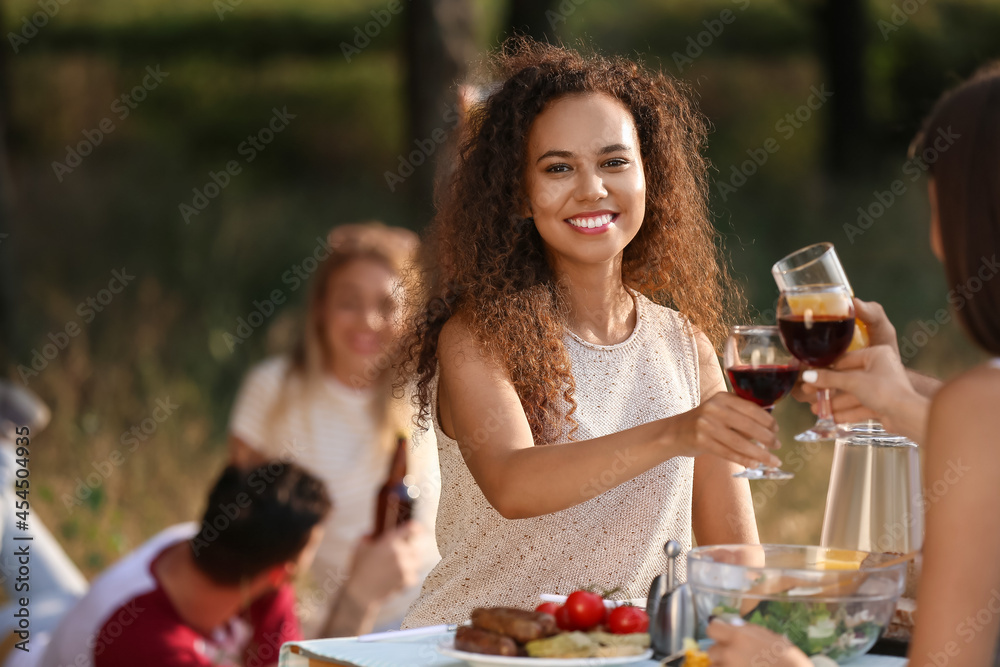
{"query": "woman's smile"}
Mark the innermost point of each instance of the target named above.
(595, 222)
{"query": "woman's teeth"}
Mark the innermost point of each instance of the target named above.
(592, 222)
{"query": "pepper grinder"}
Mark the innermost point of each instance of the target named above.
(674, 615)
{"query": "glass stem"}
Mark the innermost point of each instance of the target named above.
(825, 409)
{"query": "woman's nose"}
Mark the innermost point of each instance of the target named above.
(590, 187)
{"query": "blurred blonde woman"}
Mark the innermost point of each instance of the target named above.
(329, 408)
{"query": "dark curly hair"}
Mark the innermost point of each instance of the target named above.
(488, 262)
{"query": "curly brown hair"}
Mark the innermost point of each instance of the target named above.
(489, 264)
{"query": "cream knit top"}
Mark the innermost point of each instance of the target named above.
(613, 539)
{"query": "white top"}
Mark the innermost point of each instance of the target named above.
(334, 437)
(613, 539)
(126, 580)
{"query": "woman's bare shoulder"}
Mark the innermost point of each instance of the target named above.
(969, 402)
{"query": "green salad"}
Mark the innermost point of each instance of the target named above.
(815, 627)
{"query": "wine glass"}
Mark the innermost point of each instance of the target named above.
(817, 325)
(761, 370)
(817, 264)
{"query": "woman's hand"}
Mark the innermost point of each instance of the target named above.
(385, 565)
(726, 425)
(876, 380)
(750, 646)
(381, 567)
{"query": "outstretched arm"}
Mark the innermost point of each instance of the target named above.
(480, 408)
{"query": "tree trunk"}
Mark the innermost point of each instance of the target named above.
(535, 18)
(440, 42)
(844, 37)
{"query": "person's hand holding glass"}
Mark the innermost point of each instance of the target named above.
(761, 370)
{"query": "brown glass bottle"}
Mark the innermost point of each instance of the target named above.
(394, 505)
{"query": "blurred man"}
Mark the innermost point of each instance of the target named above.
(215, 594)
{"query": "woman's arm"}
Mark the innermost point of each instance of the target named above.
(958, 599)
(722, 507)
(481, 410)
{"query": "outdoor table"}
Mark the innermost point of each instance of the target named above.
(422, 652)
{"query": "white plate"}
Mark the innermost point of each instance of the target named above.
(483, 660)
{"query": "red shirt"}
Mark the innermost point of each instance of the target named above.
(160, 638)
(126, 619)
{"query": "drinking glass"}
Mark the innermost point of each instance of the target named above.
(817, 326)
(817, 264)
(761, 370)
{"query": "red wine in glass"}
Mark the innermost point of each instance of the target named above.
(764, 385)
(819, 340)
(817, 325)
(761, 371)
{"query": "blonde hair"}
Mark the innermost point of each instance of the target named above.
(395, 248)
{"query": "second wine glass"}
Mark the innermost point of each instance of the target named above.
(761, 370)
(817, 326)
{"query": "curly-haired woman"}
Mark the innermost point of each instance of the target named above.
(580, 421)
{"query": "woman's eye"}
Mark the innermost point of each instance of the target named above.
(557, 168)
(616, 162)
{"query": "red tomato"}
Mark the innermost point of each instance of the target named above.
(585, 609)
(626, 620)
(547, 608)
(563, 619)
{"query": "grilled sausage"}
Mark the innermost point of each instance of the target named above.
(522, 626)
(475, 640)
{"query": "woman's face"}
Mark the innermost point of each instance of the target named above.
(361, 303)
(585, 185)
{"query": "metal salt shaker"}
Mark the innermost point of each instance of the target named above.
(670, 607)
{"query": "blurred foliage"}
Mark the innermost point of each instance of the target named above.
(162, 336)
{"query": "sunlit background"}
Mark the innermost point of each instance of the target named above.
(352, 85)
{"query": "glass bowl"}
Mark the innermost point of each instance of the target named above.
(833, 602)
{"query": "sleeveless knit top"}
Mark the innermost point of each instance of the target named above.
(613, 539)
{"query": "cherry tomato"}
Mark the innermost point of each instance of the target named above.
(626, 620)
(563, 619)
(585, 608)
(547, 608)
